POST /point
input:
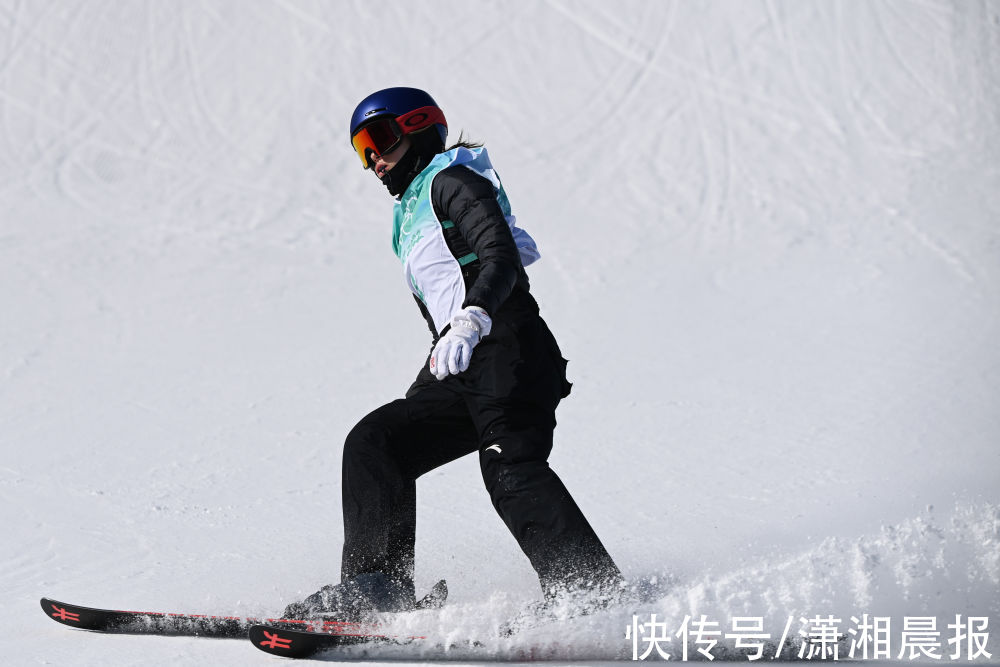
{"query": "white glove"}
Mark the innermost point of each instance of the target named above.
(453, 351)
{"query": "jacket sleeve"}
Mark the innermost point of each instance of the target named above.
(468, 200)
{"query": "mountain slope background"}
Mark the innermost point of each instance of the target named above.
(769, 249)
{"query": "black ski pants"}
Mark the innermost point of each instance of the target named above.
(502, 407)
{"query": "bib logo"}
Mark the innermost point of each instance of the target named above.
(408, 234)
(408, 208)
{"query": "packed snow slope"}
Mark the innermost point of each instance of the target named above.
(770, 249)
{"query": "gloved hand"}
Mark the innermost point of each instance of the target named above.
(453, 351)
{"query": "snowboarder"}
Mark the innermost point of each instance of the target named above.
(490, 384)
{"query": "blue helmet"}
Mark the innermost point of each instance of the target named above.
(398, 102)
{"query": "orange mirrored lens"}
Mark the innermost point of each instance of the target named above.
(362, 144)
(379, 137)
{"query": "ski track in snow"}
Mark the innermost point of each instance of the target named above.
(769, 249)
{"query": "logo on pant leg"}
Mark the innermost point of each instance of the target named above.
(495, 447)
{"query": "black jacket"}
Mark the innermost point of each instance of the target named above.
(496, 281)
(520, 351)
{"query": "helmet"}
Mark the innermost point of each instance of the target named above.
(383, 118)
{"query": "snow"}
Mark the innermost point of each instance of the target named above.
(769, 236)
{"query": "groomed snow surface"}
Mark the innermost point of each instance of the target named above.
(770, 249)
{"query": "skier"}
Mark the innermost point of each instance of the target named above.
(490, 384)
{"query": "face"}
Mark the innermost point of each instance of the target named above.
(384, 163)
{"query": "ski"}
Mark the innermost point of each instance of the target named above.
(118, 621)
(302, 643)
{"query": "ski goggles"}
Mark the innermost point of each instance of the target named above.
(382, 136)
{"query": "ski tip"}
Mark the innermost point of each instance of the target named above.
(60, 612)
(289, 643)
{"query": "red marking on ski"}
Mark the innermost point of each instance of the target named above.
(64, 615)
(274, 641)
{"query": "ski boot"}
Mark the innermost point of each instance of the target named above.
(361, 598)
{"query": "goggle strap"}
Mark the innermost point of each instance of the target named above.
(421, 118)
